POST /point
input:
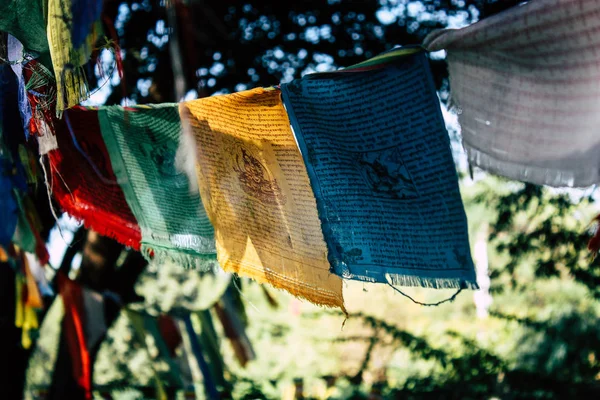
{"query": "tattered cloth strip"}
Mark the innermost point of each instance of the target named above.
(84, 183)
(74, 327)
(257, 194)
(85, 13)
(234, 330)
(67, 60)
(378, 157)
(526, 84)
(41, 93)
(142, 144)
(16, 58)
(95, 320)
(211, 346)
(210, 385)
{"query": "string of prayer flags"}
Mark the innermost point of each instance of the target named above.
(257, 194)
(379, 161)
(142, 144)
(526, 83)
(67, 60)
(83, 181)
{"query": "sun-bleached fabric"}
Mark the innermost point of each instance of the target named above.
(142, 144)
(379, 162)
(257, 194)
(526, 85)
(83, 180)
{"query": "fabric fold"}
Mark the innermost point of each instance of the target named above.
(256, 193)
(526, 86)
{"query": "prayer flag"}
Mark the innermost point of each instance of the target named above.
(257, 195)
(379, 161)
(526, 85)
(83, 180)
(142, 144)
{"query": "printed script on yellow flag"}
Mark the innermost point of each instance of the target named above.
(256, 192)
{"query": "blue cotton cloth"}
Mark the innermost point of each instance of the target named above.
(8, 204)
(378, 157)
(84, 14)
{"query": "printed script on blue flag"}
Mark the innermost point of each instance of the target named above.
(379, 161)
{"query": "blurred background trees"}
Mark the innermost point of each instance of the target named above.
(533, 332)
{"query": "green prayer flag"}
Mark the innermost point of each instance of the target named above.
(142, 144)
(25, 20)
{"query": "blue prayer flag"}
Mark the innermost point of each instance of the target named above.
(379, 161)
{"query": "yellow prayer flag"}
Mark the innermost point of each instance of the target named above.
(70, 77)
(256, 192)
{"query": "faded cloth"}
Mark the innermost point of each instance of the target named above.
(83, 181)
(379, 161)
(142, 144)
(16, 56)
(257, 195)
(526, 84)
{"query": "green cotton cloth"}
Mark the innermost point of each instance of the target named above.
(26, 20)
(142, 144)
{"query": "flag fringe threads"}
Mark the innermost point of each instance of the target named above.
(187, 260)
(431, 283)
(74, 87)
(407, 278)
(531, 173)
(97, 222)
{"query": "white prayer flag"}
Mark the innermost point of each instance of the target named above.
(526, 85)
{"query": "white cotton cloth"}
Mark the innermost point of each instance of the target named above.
(526, 86)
